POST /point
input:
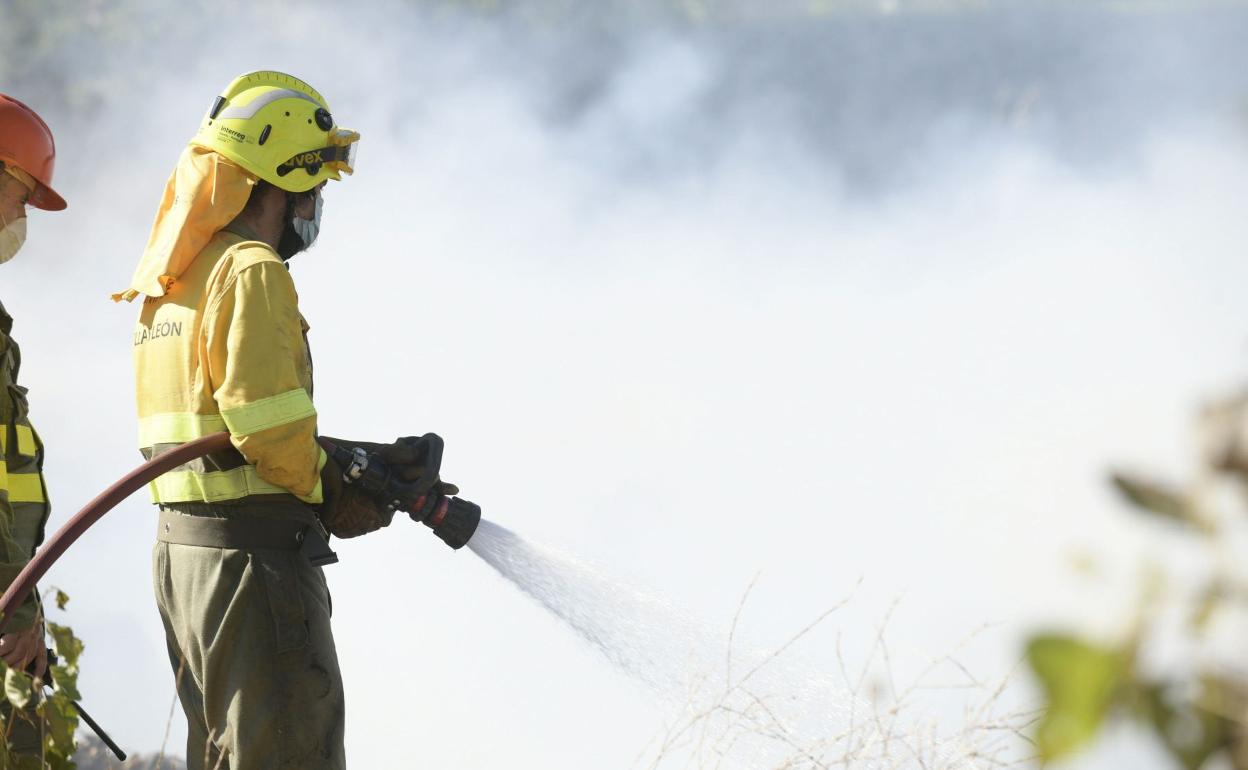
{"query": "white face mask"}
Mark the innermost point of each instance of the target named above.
(308, 229)
(12, 236)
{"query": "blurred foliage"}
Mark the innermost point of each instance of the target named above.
(1081, 682)
(56, 705)
(1197, 710)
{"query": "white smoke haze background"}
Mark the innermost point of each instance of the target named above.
(693, 291)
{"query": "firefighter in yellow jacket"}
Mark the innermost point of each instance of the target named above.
(221, 345)
(27, 158)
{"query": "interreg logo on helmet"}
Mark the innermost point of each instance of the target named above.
(229, 133)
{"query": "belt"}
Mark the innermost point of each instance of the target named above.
(238, 533)
(241, 533)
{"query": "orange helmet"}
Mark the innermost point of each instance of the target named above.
(26, 142)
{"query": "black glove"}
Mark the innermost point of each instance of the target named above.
(402, 474)
(417, 461)
(348, 510)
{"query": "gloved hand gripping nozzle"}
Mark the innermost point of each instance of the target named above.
(427, 500)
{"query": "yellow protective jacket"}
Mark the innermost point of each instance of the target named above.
(225, 349)
(23, 494)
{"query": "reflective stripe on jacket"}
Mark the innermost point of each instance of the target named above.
(23, 495)
(225, 349)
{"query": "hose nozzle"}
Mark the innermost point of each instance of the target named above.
(454, 521)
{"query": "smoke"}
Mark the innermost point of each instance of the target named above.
(854, 295)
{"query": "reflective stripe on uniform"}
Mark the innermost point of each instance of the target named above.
(25, 441)
(181, 427)
(225, 475)
(25, 488)
(177, 427)
(270, 412)
(182, 486)
(186, 485)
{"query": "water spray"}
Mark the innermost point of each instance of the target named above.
(660, 646)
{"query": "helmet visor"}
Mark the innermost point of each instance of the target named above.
(338, 157)
(347, 143)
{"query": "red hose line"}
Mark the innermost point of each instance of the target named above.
(56, 545)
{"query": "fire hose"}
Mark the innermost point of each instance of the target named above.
(451, 519)
(55, 546)
(127, 485)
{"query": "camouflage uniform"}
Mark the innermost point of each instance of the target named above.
(23, 510)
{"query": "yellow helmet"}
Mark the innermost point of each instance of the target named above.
(280, 129)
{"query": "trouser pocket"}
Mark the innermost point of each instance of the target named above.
(278, 571)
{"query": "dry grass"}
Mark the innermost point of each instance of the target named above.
(738, 718)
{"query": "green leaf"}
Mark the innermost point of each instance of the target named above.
(1160, 500)
(61, 719)
(17, 688)
(61, 598)
(1191, 733)
(65, 682)
(1081, 682)
(68, 647)
(54, 761)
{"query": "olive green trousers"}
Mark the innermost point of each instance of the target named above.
(248, 631)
